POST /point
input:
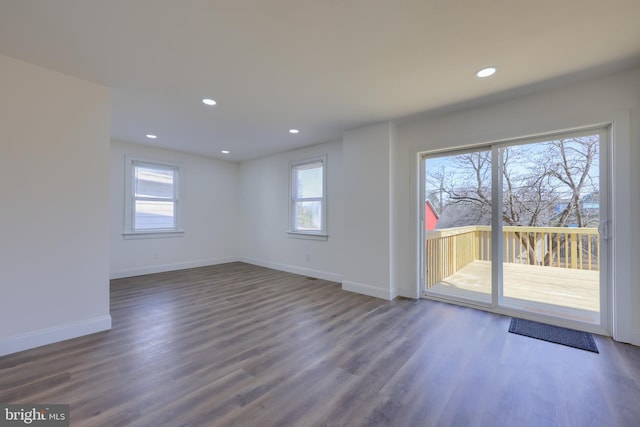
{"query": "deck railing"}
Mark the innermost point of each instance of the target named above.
(451, 249)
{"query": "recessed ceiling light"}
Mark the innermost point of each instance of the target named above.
(225, 151)
(208, 101)
(294, 131)
(486, 72)
(151, 136)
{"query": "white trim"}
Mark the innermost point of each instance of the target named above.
(634, 337)
(605, 220)
(621, 222)
(497, 250)
(54, 334)
(370, 290)
(307, 236)
(364, 289)
(421, 262)
(178, 199)
(169, 267)
(323, 200)
(407, 293)
(319, 274)
(152, 234)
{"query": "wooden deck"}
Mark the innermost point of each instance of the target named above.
(570, 288)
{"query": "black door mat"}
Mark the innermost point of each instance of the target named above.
(555, 334)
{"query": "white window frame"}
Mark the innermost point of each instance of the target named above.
(308, 234)
(129, 202)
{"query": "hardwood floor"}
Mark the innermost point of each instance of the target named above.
(240, 345)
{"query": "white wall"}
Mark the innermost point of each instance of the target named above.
(54, 251)
(210, 208)
(367, 211)
(264, 219)
(614, 99)
(404, 228)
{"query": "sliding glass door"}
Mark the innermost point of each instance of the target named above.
(519, 225)
(457, 225)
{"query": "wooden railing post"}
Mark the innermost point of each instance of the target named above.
(573, 245)
(450, 250)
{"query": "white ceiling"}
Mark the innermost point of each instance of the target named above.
(321, 66)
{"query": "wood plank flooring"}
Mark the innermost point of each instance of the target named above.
(579, 289)
(240, 345)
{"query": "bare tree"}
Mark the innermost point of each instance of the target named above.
(464, 189)
(543, 184)
(572, 162)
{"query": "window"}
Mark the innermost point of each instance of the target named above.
(308, 197)
(152, 204)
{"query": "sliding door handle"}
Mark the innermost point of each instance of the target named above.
(603, 229)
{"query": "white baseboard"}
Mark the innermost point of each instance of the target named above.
(370, 290)
(54, 334)
(407, 293)
(318, 274)
(635, 338)
(361, 288)
(139, 271)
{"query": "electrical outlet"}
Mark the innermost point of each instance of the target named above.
(155, 254)
(307, 257)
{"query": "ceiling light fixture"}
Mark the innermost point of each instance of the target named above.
(486, 72)
(208, 101)
(225, 151)
(151, 136)
(294, 131)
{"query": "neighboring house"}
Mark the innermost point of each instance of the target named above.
(589, 210)
(430, 216)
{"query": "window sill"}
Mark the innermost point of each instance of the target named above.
(307, 236)
(151, 234)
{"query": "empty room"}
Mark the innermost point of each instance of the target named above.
(293, 213)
